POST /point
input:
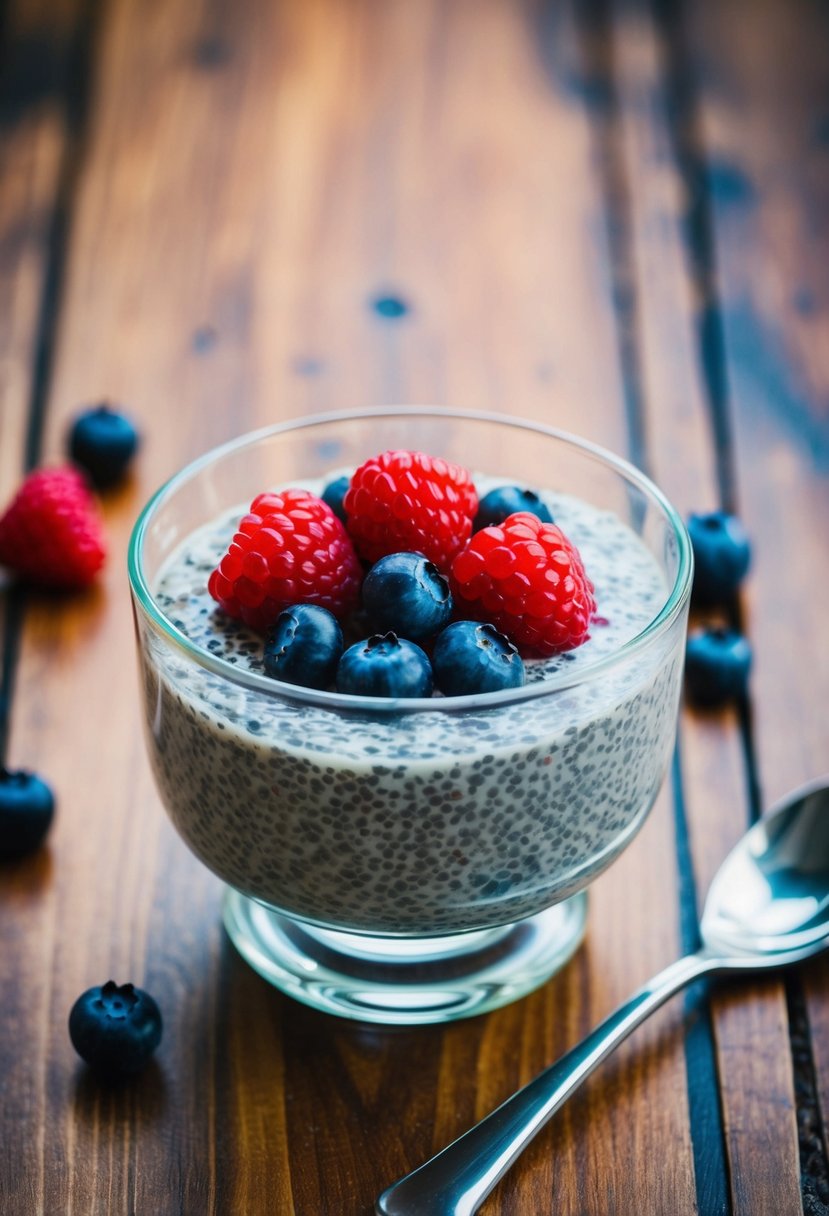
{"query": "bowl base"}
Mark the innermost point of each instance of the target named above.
(405, 981)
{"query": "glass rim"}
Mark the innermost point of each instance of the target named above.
(342, 702)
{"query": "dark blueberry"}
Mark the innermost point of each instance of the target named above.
(115, 1028)
(334, 493)
(722, 554)
(385, 666)
(406, 593)
(470, 657)
(27, 806)
(717, 663)
(102, 442)
(304, 646)
(495, 506)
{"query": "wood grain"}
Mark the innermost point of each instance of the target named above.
(34, 142)
(34, 135)
(763, 137)
(672, 281)
(768, 161)
(255, 177)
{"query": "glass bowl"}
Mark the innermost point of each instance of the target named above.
(406, 861)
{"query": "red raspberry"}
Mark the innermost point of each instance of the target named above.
(401, 501)
(290, 549)
(528, 580)
(51, 533)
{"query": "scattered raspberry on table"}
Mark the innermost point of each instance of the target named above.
(51, 533)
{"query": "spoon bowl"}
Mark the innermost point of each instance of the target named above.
(770, 896)
(767, 907)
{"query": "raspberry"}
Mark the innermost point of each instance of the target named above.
(51, 534)
(290, 549)
(407, 501)
(528, 580)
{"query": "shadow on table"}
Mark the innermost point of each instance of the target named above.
(140, 1099)
(23, 881)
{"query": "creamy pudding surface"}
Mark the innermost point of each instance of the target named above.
(415, 822)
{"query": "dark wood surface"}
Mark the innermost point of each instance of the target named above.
(612, 216)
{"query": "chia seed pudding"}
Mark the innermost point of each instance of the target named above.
(415, 822)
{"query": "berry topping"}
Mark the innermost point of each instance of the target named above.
(115, 1028)
(304, 646)
(470, 657)
(27, 806)
(406, 593)
(51, 533)
(410, 501)
(528, 580)
(722, 554)
(289, 549)
(385, 666)
(717, 664)
(334, 493)
(495, 506)
(103, 442)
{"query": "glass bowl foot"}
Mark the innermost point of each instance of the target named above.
(405, 981)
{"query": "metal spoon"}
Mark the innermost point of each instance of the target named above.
(768, 906)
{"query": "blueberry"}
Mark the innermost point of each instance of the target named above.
(115, 1028)
(470, 657)
(406, 593)
(495, 506)
(717, 663)
(102, 442)
(334, 493)
(304, 646)
(385, 666)
(722, 554)
(27, 806)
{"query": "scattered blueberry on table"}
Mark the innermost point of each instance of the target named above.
(385, 666)
(722, 554)
(115, 1028)
(503, 501)
(27, 807)
(304, 646)
(717, 665)
(470, 657)
(103, 442)
(406, 593)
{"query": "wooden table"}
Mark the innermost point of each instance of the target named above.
(613, 217)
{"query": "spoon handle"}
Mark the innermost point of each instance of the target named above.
(457, 1180)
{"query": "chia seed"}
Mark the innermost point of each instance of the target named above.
(352, 820)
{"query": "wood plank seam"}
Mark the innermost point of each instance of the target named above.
(11, 621)
(77, 94)
(707, 1130)
(593, 20)
(813, 1150)
(75, 98)
(704, 1090)
(699, 227)
(815, 1182)
(691, 159)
